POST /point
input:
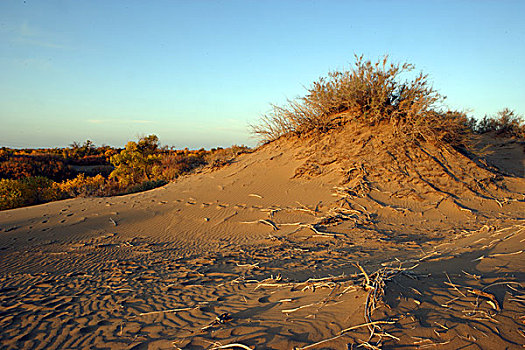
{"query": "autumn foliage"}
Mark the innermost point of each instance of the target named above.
(37, 176)
(27, 191)
(138, 162)
(22, 166)
(84, 186)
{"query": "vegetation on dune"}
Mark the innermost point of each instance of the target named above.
(30, 177)
(374, 93)
(85, 186)
(371, 93)
(57, 164)
(22, 166)
(506, 123)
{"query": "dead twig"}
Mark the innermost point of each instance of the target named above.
(169, 310)
(367, 279)
(320, 342)
(287, 311)
(373, 323)
(492, 299)
(233, 345)
(262, 221)
(454, 286)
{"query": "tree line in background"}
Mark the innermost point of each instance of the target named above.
(33, 176)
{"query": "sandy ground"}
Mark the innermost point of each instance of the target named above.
(321, 244)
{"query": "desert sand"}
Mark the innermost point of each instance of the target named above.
(333, 242)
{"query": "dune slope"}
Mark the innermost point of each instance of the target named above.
(348, 238)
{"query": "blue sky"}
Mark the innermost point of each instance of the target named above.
(197, 73)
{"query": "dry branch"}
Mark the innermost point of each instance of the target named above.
(165, 311)
(233, 345)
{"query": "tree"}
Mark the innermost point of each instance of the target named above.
(138, 162)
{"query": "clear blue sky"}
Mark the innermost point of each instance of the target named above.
(196, 73)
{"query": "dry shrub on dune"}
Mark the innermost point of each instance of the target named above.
(372, 93)
(506, 123)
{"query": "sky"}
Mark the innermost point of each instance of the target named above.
(198, 73)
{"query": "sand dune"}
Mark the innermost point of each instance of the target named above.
(267, 252)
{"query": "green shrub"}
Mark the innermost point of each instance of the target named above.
(372, 93)
(138, 162)
(28, 191)
(13, 194)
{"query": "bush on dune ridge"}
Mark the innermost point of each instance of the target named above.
(506, 123)
(372, 93)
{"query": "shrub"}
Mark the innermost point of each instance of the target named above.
(223, 156)
(21, 166)
(28, 191)
(13, 194)
(78, 150)
(98, 159)
(174, 165)
(138, 162)
(13, 169)
(506, 123)
(5, 153)
(371, 93)
(146, 186)
(84, 186)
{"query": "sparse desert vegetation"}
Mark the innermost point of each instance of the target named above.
(506, 123)
(374, 93)
(369, 217)
(33, 176)
(381, 207)
(369, 94)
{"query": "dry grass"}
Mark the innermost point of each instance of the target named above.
(506, 123)
(372, 93)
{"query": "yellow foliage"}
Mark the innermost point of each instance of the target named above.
(138, 162)
(27, 191)
(83, 186)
